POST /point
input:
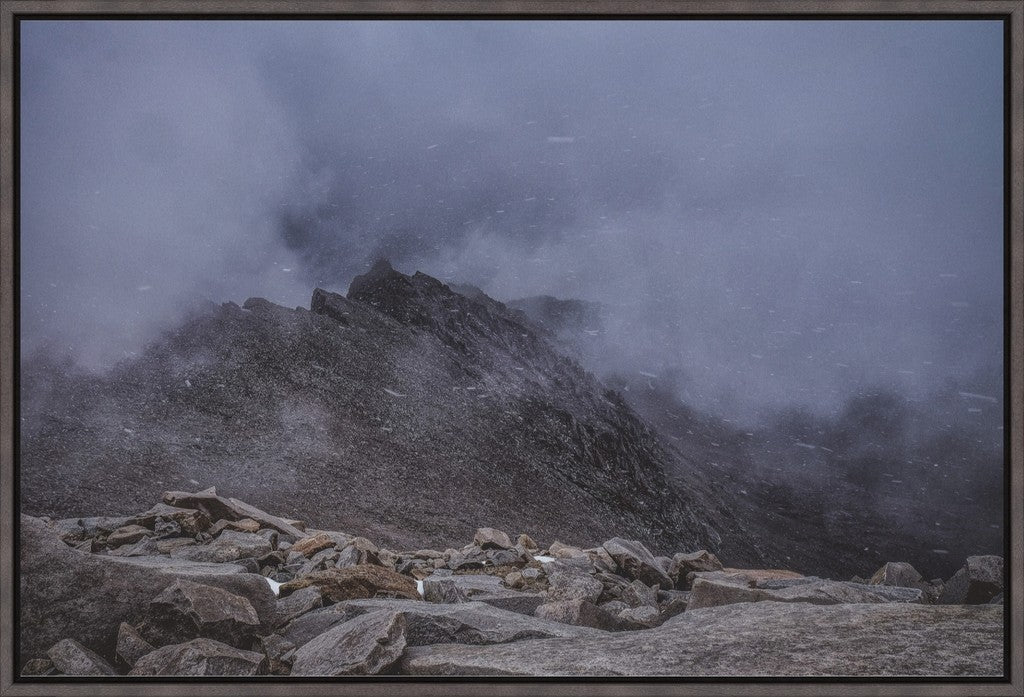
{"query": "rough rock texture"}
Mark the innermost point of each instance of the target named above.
(636, 562)
(711, 593)
(71, 658)
(131, 646)
(230, 545)
(465, 623)
(489, 538)
(762, 639)
(186, 610)
(69, 594)
(583, 613)
(363, 581)
(980, 580)
(200, 657)
(365, 645)
(298, 603)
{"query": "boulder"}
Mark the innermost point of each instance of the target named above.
(563, 551)
(229, 546)
(714, 592)
(760, 640)
(186, 610)
(582, 613)
(131, 646)
(896, 573)
(243, 525)
(489, 538)
(309, 546)
(980, 580)
(683, 565)
(279, 652)
(465, 623)
(526, 542)
(127, 535)
(69, 594)
(71, 658)
(145, 547)
(365, 645)
(570, 583)
(443, 590)
(190, 521)
(639, 594)
(642, 615)
(200, 657)
(217, 507)
(298, 603)
(363, 581)
(636, 562)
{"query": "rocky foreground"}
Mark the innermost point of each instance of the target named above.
(203, 585)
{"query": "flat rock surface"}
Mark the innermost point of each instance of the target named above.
(762, 639)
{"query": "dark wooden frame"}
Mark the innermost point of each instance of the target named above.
(1011, 10)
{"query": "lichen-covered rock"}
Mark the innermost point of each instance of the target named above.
(363, 581)
(200, 657)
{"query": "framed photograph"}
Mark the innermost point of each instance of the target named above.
(528, 347)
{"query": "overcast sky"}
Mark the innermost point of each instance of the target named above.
(786, 211)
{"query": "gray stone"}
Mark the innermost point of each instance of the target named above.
(298, 603)
(760, 640)
(684, 564)
(144, 547)
(229, 546)
(189, 521)
(569, 583)
(443, 590)
(582, 613)
(636, 562)
(69, 594)
(489, 538)
(643, 615)
(71, 658)
(980, 580)
(38, 666)
(896, 573)
(131, 646)
(513, 601)
(711, 593)
(639, 594)
(365, 645)
(217, 507)
(186, 610)
(200, 657)
(127, 535)
(279, 652)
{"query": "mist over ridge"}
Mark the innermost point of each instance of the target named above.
(778, 213)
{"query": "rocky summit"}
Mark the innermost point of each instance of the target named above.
(203, 584)
(403, 409)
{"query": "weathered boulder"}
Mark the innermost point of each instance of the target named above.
(217, 507)
(759, 640)
(127, 535)
(684, 564)
(489, 538)
(582, 613)
(526, 542)
(636, 562)
(38, 666)
(309, 546)
(443, 590)
(298, 603)
(65, 593)
(978, 581)
(71, 658)
(639, 594)
(131, 646)
(186, 610)
(229, 546)
(279, 652)
(564, 551)
(714, 592)
(363, 581)
(569, 583)
(896, 573)
(200, 657)
(243, 525)
(365, 645)
(465, 623)
(190, 521)
(144, 547)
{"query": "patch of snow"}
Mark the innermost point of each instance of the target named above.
(543, 559)
(647, 375)
(393, 393)
(419, 587)
(805, 445)
(274, 585)
(188, 383)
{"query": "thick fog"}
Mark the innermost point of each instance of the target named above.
(781, 212)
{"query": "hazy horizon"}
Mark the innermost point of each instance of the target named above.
(783, 212)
